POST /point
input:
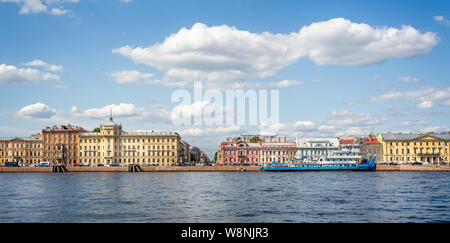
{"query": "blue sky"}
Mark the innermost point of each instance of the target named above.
(385, 68)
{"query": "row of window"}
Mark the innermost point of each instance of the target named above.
(414, 159)
(36, 145)
(421, 143)
(129, 153)
(421, 150)
(154, 160)
(129, 147)
(21, 153)
(129, 140)
(237, 160)
(28, 161)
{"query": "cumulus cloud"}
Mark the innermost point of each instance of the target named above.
(210, 131)
(412, 123)
(426, 96)
(122, 109)
(296, 127)
(137, 77)
(436, 129)
(222, 53)
(38, 111)
(408, 79)
(10, 74)
(348, 118)
(156, 113)
(38, 6)
(204, 111)
(40, 63)
(134, 76)
(441, 19)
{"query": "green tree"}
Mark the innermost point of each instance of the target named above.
(255, 139)
(96, 129)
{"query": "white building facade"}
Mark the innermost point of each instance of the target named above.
(316, 147)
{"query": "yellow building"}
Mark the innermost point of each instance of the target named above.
(113, 146)
(26, 151)
(431, 148)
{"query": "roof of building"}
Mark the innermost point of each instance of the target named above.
(20, 138)
(64, 128)
(346, 141)
(400, 136)
(280, 144)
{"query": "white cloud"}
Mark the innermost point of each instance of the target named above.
(426, 96)
(286, 83)
(155, 113)
(38, 6)
(436, 129)
(134, 76)
(122, 109)
(222, 53)
(441, 19)
(341, 42)
(40, 63)
(59, 11)
(304, 125)
(38, 111)
(348, 118)
(296, 127)
(412, 123)
(210, 131)
(408, 79)
(10, 74)
(326, 128)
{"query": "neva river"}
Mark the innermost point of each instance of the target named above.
(230, 197)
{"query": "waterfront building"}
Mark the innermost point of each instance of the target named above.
(25, 150)
(60, 144)
(185, 152)
(281, 152)
(431, 148)
(316, 147)
(260, 138)
(236, 151)
(371, 147)
(112, 146)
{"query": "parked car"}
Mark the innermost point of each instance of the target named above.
(45, 164)
(417, 163)
(100, 165)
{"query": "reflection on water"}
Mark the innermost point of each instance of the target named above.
(226, 197)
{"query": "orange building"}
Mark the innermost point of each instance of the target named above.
(26, 151)
(60, 144)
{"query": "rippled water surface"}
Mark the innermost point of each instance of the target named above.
(226, 197)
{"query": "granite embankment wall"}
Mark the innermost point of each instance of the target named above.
(411, 168)
(144, 169)
(204, 169)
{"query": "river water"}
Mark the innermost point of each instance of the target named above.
(229, 197)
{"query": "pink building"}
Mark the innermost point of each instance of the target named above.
(238, 152)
